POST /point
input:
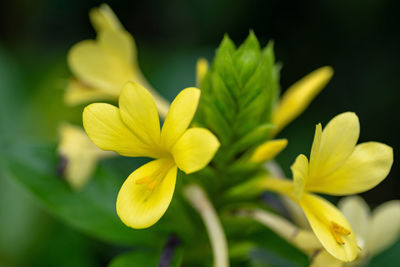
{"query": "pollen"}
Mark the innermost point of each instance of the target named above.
(338, 231)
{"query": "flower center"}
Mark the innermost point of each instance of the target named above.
(155, 178)
(338, 231)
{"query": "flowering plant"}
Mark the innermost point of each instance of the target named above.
(212, 149)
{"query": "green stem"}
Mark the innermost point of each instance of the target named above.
(200, 202)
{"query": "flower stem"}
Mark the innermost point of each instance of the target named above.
(200, 202)
(296, 214)
(304, 240)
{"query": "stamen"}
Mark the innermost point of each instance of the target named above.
(144, 180)
(340, 229)
(152, 184)
(337, 232)
(156, 177)
(337, 237)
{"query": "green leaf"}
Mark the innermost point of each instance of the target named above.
(387, 257)
(11, 99)
(261, 257)
(136, 258)
(246, 58)
(251, 139)
(247, 189)
(214, 120)
(178, 258)
(272, 72)
(223, 98)
(238, 93)
(91, 211)
(268, 249)
(223, 64)
(146, 258)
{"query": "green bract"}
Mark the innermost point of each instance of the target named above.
(238, 97)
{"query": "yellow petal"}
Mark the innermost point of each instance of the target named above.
(140, 206)
(104, 126)
(315, 148)
(384, 228)
(366, 167)
(179, 116)
(161, 103)
(103, 64)
(120, 44)
(300, 175)
(79, 169)
(73, 138)
(80, 153)
(330, 226)
(323, 259)
(299, 96)
(356, 212)
(103, 18)
(268, 150)
(78, 93)
(201, 70)
(139, 112)
(337, 142)
(195, 149)
(108, 64)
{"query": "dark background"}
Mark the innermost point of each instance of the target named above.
(359, 38)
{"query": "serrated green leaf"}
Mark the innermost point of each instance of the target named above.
(226, 46)
(216, 122)
(246, 58)
(223, 98)
(271, 72)
(238, 94)
(224, 66)
(251, 90)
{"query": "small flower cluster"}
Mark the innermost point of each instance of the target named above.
(240, 84)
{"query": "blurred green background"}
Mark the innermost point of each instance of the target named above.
(360, 39)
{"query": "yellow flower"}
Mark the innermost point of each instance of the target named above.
(337, 166)
(303, 239)
(103, 18)
(101, 67)
(201, 70)
(133, 130)
(268, 150)
(80, 155)
(298, 96)
(375, 232)
(293, 102)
